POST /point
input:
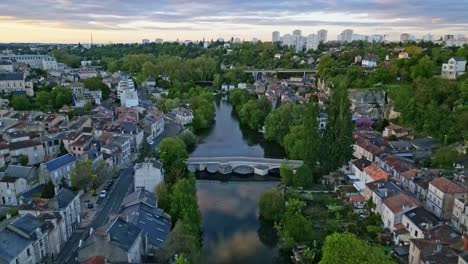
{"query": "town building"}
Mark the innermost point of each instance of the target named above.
(460, 214)
(10, 189)
(394, 207)
(43, 62)
(15, 83)
(455, 67)
(275, 38)
(148, 175)
(441, 197)
(58, 170)
(129, 98)
(322, 35)
(184, 116)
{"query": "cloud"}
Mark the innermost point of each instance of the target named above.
(189, 15)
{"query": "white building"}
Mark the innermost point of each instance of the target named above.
(10, 188)
(347, 35)
(376, 39)
(159, 41)
(455, 67)
(428, 37)
(359, 37)
(148, 175)
(125, 83)
(6, 66)
(322, 35)
(145, 41)
(394, 207)
(275, 37)
(129, 98)
(312, 42)
(15, 82)
(184, 116)
(44, 62)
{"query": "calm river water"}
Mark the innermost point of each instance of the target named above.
(232, 232)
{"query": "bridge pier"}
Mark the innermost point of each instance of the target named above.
(224, 168)
(261, 170)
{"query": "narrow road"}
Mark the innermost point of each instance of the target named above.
(109, 205)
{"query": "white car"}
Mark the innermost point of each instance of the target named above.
(103, 194)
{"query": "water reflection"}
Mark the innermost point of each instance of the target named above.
(226, 138)
(230, 222)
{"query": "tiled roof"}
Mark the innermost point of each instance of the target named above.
(447, 186)
(60, 162)
(376, 173)
(64, 197)
(397, 164)
(409, 174)
(396, 203)
(24, 144)
(11, 245)
(123, 234)
(361, 163)
(20, 171)
(11, 76)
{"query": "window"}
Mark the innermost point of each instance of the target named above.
(28, 251)
(416, 233)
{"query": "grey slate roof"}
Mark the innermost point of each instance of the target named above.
(25, 172)
(64, 197)
(140, 196)
(459, 58)
(423, 218)
(123, 234)
(60, 162)
(425, 143)
(28, 224)
(11, 245)
(154, 222)
(11, 76)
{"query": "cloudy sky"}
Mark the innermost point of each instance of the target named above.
(72, 21)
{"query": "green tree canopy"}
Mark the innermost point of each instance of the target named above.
(271, 205)
(424, 69)
(346, 248)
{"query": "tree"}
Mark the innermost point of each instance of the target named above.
(346, 248)
(295, 228)
(48, 191)
(271, 205)
(82, 175)
(445, 157)
(43, 100)
(170, 150)
(336, 145)
(326, 66)
(23, 160)
(304, 177)
(163, 195)
(189, 139)
(287, 174)
(424, 68)
(184, 205)
(279, 122)
(182, 242)
(21, 103)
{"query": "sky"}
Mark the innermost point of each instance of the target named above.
(128, 21)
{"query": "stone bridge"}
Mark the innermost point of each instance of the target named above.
(240, 165)
(258, 73)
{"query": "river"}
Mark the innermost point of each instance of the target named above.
(232, 232)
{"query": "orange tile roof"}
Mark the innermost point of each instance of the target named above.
(396, 203)
(357, 199)
(447, 186)
(375, 172)
(409, 174)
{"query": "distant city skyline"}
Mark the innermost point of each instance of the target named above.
(120, 21)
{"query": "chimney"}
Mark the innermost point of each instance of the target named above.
(465, 242)
(438, 247)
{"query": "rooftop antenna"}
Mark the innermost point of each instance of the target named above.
(91, 39)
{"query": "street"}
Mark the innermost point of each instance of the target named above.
(110, 204)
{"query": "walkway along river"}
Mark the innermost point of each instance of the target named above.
(232, 232)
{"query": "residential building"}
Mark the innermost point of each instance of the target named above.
(394, 207)
(58, 170)
(118, 242)
(419, 222)
(460, 214)
(455, 67)
(65, 203)
(378, 191)
(29, 173)
(376, 38)
(124, 144)
(443, 248)
(6, 66)
(153, 126)
(31, 148)
(403, 55)
(148, 175)
(150, 82)
(322, 35)
(370, 61)
(140, 209)
(16, 249)
(43, 62)
(312, 42)
(405, 37)
(15, 83)
(184, 116)
(398, 132)
(10, 188)
(129, 98)
(125, 83)
(441, 197)
(373, 173)
(275, 38)
(32, 228)
(359, 37)
(347, 35)
(145, 41)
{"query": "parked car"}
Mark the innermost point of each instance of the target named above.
(103, 194)
(90, 205)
